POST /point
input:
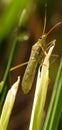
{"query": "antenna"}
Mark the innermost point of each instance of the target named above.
(56, 25)
(45, 16)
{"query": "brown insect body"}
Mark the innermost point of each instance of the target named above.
(35, 58)
(32, 64)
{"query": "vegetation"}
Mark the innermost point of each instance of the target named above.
(20, 27)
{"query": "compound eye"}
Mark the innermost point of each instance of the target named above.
(40, 38)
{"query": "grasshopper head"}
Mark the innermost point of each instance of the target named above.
(43, 39)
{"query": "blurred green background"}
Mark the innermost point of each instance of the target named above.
(27, 28)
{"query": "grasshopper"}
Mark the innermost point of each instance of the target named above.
(35, 57)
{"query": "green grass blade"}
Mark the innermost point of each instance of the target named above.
(55, 107)
(1, 84)
(2, 96)
(9, 64)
